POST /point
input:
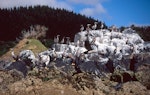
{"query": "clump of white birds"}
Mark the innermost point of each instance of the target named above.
(105, 45)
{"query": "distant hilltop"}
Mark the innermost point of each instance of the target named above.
(58, 21)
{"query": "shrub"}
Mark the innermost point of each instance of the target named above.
(35, 32)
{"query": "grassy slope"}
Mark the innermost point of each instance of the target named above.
(31, 44)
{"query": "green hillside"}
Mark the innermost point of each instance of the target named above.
(26, 44)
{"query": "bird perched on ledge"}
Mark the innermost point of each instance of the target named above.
(95, 25)
(68, 40)
(88, 27)
(82, 28)
(63, 40)
(56, 39)
(102, 25)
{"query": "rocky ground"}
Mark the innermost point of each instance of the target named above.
(54, 82)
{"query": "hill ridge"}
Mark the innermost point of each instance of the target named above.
(58, 21)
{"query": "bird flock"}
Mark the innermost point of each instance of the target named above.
(93, 50)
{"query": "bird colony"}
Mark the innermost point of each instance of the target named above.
(94, 50)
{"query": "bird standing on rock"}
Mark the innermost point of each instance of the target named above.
(56, 39)
(102, 25)
(68, 40)
(94, 26)
(63, 40)
(82, 28)
(88, 27)
(13, 55)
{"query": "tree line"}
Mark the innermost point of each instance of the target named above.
(143, 31)
(58, 21)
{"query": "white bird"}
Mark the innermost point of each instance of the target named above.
(56, 39)
(79, 50)
(80, 35)
(44, 59)
(126, 49)
(102, 48)
(117, 53)
(111, 48)
(68, 40)
(88, 27)
(102, 25)
(118, 42)
(82, 28)
(78, 43)
(63, 40)
(13, 55)
(94, 26)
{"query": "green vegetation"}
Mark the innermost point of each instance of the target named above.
(47, 42)
(25, 44)
(35, 45)
(5, 46)
(30, 39)
(22, 21)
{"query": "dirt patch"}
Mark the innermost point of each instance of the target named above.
(133, 88)
(143, 75)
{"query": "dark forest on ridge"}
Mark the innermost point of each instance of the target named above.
(58, 21)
